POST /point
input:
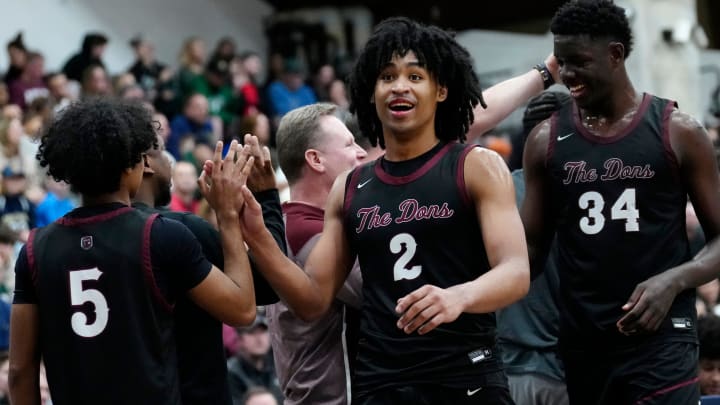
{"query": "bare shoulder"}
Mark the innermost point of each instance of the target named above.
(536, 145)
(687, 135)
(486, 163)
(486, 172)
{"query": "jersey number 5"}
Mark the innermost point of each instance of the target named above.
(79, 296)
(400, 272)
(624, 208)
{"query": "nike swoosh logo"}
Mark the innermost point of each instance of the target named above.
(361, 185)
(473, 392)
(561, 138)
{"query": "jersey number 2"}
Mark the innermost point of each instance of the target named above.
(79, 296)
(400, 272)
(624, 208)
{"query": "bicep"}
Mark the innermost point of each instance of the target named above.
(534, 206)
(493, 193)
(24, 337)
(330, 260)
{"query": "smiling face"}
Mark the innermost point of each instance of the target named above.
(587, 67)
(406, 96)
(338, 151)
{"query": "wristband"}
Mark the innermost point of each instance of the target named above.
(545, 75)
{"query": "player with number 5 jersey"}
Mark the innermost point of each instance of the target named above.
(95, 290)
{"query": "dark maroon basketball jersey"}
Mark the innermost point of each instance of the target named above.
(409, 231)
(106, 328)
(620, 214)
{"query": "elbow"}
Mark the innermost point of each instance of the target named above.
(521, 281)
(243, 317)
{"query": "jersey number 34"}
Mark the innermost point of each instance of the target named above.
(624, 208)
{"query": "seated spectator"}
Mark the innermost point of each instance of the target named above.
(16, 210)
(149, 73)
(30, 85)
(18, 151)
(60, 93)
(252, 365)
(290, 91)
(17, 55)
(223, 101)
(95, 82)
(708, 329)
(93, 47)
(57, 202)
(194, 124)
(184, 188)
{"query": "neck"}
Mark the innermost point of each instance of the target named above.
(121, 196)
(310, 192)
(399, 147)
(145, 194)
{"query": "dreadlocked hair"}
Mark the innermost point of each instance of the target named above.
(439, 53)
(595, 18)
(90, 143)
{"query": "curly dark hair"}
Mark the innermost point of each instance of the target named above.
(599, 19)
(91, 142)
(708, 329)
(437, 51)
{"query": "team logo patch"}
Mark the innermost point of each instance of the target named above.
(86, 242)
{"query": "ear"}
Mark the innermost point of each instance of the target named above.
(616, 50)
(147, 170)
(442, 94)
(314, 160)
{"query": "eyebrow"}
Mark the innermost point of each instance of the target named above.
(392, 64)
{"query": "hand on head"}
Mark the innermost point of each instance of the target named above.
(553, 66)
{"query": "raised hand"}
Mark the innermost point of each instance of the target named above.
(222, 179)
(262, 177)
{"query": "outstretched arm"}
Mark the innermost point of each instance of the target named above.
(505, 97)
(229, 297)
(650, 301)
(307, 293)
(507, 280)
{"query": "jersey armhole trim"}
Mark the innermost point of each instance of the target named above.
(552, 139)
(147, 264)
(460, 176)
(669, 152)
(350, 188)
(30, 251)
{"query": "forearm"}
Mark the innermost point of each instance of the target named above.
(24, 387)
(504, 98)
(236, 262)
(703, 268)
(501, 286)
(296, 288)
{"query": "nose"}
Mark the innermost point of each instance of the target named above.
(565, 73)
(399, 85)
(361, 153)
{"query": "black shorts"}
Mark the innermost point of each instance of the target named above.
(662, 373)
(430, 394)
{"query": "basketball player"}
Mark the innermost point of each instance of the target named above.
(611, 174)
(201, 355)
(95, 290)
(434, 224)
